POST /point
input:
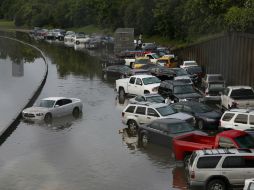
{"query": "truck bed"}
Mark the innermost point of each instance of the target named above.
(197, 139)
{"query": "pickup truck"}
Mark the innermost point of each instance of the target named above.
(153, 57)
(184, 145)
(138, 85)
(237, 97)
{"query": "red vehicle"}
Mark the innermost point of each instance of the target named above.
(184, 145)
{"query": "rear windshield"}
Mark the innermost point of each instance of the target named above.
(151, 80)
(216, 86)
(228, 116)
(193, 70)
(215, 78)
(183, 89)
(245, 141)
(242, 92)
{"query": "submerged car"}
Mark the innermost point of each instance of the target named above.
(51, 107)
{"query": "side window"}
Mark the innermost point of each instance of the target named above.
(234, 162)
(132, 80)
(228, 116)
(241, 118)
(59, 103)
(141, 110)
(66, 101)
(130, 109)
(208, 162)
(152, 112)
(251, 119)
(139, 82)
(226, 143)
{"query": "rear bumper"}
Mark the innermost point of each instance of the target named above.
(196, 185)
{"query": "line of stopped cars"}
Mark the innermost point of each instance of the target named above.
(171, 108)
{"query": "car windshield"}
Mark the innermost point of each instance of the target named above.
(156, 99)
(151, 80)
(183, 89)
(180, 127)
(166, 110)
(47, 103)
(194, 70)
(216, 86)
(215, 78)
(155, 56)
(201, 108)
(181, 72)
(245, 141)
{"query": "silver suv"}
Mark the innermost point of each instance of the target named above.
(135, 115)
(220, 168)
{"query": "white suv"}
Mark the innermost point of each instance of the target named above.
(239, 119)
(135, 115)
(220, 168)
(249, 184)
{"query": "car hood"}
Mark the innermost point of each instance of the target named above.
(189, 95)
(211, 115)
(180, 115)
(35, 110)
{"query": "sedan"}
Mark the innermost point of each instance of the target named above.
(162, 131)
(116, 71)
(53, 107)
(154, 98)
(205, 116)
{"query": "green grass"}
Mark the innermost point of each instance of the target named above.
(90, 29)
(4, 24)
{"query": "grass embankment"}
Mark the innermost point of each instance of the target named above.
(4, 24)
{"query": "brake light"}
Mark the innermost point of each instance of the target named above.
(192, 175)
(122, 114)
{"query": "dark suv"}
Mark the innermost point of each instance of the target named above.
(178, 91)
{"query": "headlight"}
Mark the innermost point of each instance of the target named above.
(39, 114)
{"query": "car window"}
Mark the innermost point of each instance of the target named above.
(152, 112)
(251, 119)
(228, 116)
(251, 187)
(59, 103)
(130, 109)
(226, 143)
(141, 110)
(241, 118)
(233, 162)
(47, 103)
(132, 80)
(138, 81)
(66, 101)
(208, 162)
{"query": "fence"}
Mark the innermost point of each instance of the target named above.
(231, 55)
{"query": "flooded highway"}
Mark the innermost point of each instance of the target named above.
(89, 152)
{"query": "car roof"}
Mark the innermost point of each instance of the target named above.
(209, 75)
(176, 82)
(188, 103)
(223, 151)
(241, 110)
(189, 61)
(151, 95)
(142, 76)
(169, 120)
(54, 98)
(149, 104)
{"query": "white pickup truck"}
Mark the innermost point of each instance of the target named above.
(138, 85)
(237, 97)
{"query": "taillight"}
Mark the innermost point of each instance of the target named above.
(122, 114)
(192, 175)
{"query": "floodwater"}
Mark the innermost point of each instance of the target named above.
(89, 152)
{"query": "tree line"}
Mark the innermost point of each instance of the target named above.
(173, 19)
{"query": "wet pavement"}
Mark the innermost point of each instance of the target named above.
(90, 152)
(21, 71)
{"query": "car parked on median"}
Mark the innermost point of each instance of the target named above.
(51, 107)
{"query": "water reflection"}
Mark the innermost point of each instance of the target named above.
(17, 69)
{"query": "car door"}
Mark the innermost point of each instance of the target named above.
(67, 106)
(140, 115)
(240, 122)
(233, 168)
(151, 115)
(58, 108)
(138, 88)
(156, 133)
(132, 85)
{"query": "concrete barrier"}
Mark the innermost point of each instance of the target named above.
(7, 131)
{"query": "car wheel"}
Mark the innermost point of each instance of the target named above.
(201, 124)
(75, 112)
(144, 140)
(121, 92)
(216, 184)
(48, 118)
(132, 126)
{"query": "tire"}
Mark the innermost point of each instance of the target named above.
(48, 118)
(216, 184)
(77, 42)
(121, 92)
(201, 124)
(132, 126)
(144, 140)
(75, 112)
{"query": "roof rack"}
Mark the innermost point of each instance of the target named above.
(216, 151)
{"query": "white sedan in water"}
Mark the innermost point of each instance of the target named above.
(51, 107)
